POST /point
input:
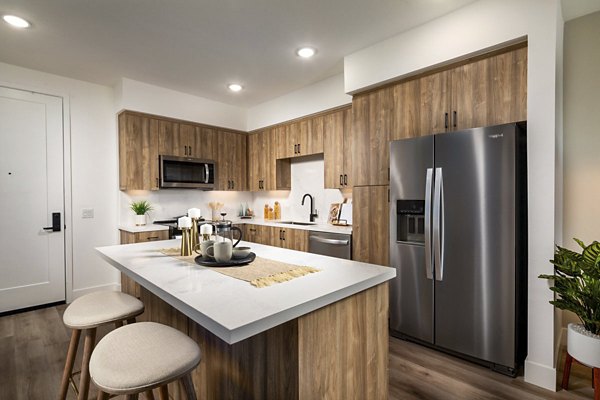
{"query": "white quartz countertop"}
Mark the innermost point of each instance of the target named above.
(319, 227)
(233, 309)
(143, 228)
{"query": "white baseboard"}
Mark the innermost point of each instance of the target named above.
(114, 287)
(540, 375)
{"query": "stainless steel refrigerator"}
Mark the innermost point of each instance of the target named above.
(458, 241)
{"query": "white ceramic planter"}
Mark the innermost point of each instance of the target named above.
(583, 345)
(140, 220)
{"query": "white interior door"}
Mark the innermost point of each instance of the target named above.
(32, 260)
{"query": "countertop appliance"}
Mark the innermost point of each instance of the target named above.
(458, 241)
(330, 244)
(187, 173)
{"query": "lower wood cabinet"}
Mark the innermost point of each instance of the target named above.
(293, 239)
(370, 224)
(128, 285)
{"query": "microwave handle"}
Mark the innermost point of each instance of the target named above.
(205, 173)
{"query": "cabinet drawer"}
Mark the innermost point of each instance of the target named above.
(151, 236)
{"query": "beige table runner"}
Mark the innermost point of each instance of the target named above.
(261, 272)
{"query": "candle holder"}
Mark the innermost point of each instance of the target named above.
(194, 234)
(186, 243)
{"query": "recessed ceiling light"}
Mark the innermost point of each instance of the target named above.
(234, 87)
(15, 21)
(306, 52)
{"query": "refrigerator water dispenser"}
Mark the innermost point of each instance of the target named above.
(410, 221)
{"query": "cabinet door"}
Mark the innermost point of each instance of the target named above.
(348, 143)
(507, 100)
(254, 157)
(407, 110)
(238, 172)
(284, 141)
(311, 139)
(469, 93)
(187, 137)
(334, 148)
(370, 224)
(295, 239)
(434, 110)
(169, 141)
(225, 160)
(205, 143)
(372, 124)
(138, 152)
(268, 159)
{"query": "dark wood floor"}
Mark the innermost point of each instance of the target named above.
(33, 347)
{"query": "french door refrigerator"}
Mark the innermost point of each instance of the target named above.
(458, 215)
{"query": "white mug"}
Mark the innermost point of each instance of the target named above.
(221, 251)
(204, 247)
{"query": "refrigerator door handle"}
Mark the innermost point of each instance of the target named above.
(428, 254)
(438, 225)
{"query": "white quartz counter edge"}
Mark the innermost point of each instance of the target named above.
(233, 335)
(317, 227)
(143, 228)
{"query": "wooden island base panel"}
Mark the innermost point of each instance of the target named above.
(339, 351)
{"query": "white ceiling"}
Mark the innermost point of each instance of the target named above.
(199, 46)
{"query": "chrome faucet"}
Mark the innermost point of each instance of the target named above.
(312, 215)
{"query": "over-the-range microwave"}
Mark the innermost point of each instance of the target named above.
(187, 173)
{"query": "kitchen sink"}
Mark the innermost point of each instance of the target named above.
(296, 223)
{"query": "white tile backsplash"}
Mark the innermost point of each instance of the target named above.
(307, 177)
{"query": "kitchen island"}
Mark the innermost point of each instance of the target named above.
(323, 335)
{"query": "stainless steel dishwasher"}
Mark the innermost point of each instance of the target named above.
(330, 244)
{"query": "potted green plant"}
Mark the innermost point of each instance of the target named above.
(576, 281)
(140, 208)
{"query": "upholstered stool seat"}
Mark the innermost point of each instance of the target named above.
(143, 356)
(88, 313)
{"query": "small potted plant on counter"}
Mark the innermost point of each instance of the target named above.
(140, 208)
(576, 281)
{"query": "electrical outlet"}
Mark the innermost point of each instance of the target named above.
(87, 213)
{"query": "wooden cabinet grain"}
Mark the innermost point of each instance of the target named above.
(265, 171)
(299, 138)
(337, 148)
(138, 152)
(205, 143)
(294, 239)
(370, 224)
(128, 285)
(231, 161)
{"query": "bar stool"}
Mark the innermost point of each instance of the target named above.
(140, 357)
(88, 313)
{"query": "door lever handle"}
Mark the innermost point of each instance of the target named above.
(55, 223)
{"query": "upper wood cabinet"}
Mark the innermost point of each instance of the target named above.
(337, 146)
(231, 161)
(138, 152)
(372, 122)
(205, 143)
(487, 91)
(187, 140)
(299, 138)
(370, 224)
(265, 171)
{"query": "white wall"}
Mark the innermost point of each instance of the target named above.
(470, 30)
(143, 97)
(307, 177)
(323, 95)
(91, 131)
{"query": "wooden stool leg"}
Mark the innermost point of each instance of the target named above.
(71, 353)
(188, 386)
(596, 383)
(149, 395)
(163, 392)
(88, 346)
(567, 371)
(102, 395)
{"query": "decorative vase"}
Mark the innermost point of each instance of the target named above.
(140, 220)
(583, 345)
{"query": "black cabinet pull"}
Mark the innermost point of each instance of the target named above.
(152, 238)
(298, 153)
(345, 180)
(233, 184)
(284, 234)
(446, 120)
(156, 182)
(341, 180)
(454, 118)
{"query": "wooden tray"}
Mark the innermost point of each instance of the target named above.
(234, 262)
